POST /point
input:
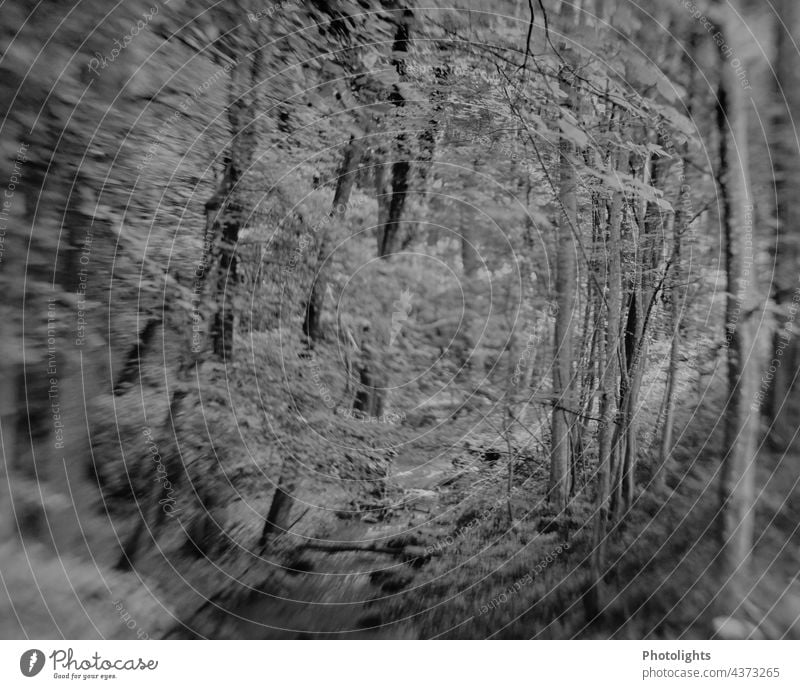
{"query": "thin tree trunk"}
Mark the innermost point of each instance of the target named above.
(665, 447)
(312, 323)
(133, 361)
(370, 395)
(283, 500)
(225, 209)
(609, 381)
(224, 215)
(566, 288)
(473, 323)
(677, 291)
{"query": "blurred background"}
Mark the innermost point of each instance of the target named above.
(379, 320)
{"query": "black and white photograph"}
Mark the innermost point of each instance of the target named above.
(396, 320)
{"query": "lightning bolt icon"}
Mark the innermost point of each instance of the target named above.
(32, 661)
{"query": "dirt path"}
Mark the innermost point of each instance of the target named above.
(336, 594)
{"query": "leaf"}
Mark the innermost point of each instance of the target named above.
(658, 150)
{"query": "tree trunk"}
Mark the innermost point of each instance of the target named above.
(676, 304)
(609, 381)
(133, 361)
(783, 401)
(738, 464)
(473, 322)
(222, 222)
(566, 289)
(388, 232)
(651, 232)
(225, 209)
(677, 291)
(371, 391)
(283, 500)
(344, 186)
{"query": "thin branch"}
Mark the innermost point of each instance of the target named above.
(580, 415)
(547, 32)
(699, 213)
(530, 32)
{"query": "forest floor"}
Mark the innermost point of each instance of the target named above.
(326, 592)
(429, 542)
(457, 567)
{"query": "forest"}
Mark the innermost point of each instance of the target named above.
(379, 319)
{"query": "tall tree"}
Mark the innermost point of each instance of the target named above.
(610, 371)
(783, 403)
(393, 192)
(736, 515)
(566, 297)
(676, 293)
(227, 209)
(675, 287)
(649, 230)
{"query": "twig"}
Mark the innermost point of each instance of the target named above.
(365, 549)
(547, 32)
(528, 38)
